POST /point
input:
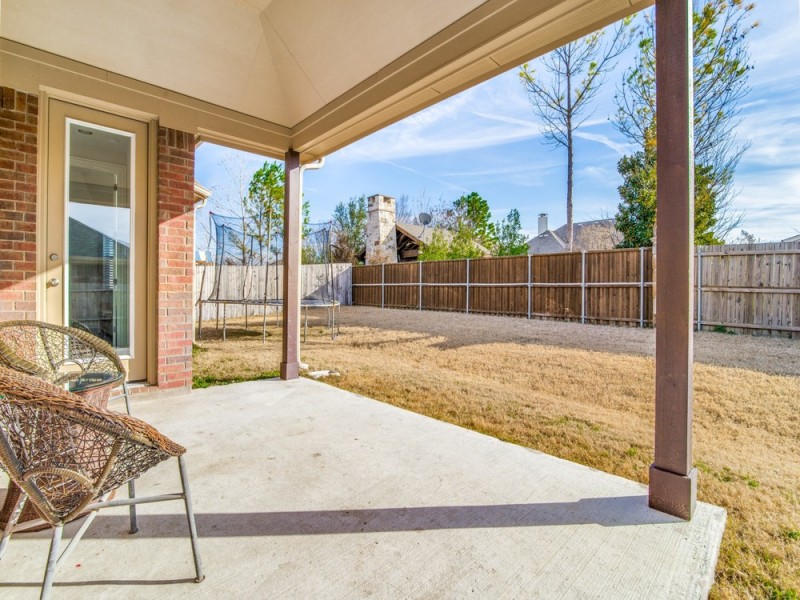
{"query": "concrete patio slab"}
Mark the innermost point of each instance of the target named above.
(302, 490)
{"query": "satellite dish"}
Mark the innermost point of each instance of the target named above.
(425, 218)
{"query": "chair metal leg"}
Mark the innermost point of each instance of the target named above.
(187, 498)
(79, 534)
(12, 521)
(132, 508)
(127, 394)
(131, 485)
(52, 561)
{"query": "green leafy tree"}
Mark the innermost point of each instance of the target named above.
(468, 230)
(445, 245)
(437, 249)
(472, 217)
(349, 230)
(510, 239)
(721, 70)
(264, 206)
(466, 243)
(561, 100)
(636, 216)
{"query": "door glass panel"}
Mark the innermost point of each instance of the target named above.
(99, 226)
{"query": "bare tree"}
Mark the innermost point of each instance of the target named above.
(576, 72)
(598, 236)
(408, 209)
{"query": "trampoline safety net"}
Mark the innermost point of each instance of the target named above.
(257, 247)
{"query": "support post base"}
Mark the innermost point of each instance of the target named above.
(290, 370)
(672, 493)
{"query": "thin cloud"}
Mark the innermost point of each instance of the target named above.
(618, 147)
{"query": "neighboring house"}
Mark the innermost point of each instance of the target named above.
(587, 235)
(389, 241)
(794, 238)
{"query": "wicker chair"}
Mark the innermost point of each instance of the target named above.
(68, 356)
(67, 456)
(72, 357)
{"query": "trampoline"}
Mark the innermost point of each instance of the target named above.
(254, 248)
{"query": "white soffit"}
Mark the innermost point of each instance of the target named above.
(336, 45)
(212, 50)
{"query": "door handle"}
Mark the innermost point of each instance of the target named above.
(53, 282)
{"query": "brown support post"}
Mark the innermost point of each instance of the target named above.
(673, 481)
(292, 217)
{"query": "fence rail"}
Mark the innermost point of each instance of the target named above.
(738, 287)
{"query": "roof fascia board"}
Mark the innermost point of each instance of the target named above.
(398, 90)
(406, 233)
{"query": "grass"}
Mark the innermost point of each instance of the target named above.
(207, 379)
(583, 393)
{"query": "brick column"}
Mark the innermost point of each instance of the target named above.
(18, 146)
(175, 257)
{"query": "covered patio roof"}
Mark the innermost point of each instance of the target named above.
(298, 79)
(274, 75)
(302, 490)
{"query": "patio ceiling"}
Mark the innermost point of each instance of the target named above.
(271, 75)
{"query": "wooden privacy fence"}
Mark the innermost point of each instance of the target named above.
(739, 287)
(600, 287)
(752, 287)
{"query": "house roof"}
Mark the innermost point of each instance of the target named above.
(422, 234)
(546, 243)
(552, 241)
(270, 75)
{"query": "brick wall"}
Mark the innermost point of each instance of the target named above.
(175, 257)
(18, 146)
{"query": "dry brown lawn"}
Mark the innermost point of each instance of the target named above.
(583, 393)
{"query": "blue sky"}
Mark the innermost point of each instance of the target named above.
(487, 140)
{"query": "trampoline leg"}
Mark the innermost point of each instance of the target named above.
(224, 322)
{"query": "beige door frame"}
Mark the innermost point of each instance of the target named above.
(54, 223)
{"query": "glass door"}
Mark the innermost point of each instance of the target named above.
(99, 233)
(97, 228)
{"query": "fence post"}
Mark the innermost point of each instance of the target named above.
(420, 284)
(529, 286)
(641, 287)
(583, 286)
(383, 283)
(467, 286)
(699, 295)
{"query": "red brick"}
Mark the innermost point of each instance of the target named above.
(19, 141)
(175, 249)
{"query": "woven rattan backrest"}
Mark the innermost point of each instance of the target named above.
(65, 453)
(53, 352)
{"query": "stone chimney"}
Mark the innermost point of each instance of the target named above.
(381, 230)
(542, 223)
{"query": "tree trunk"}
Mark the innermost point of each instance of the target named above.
(569, 160)
(569, 186)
